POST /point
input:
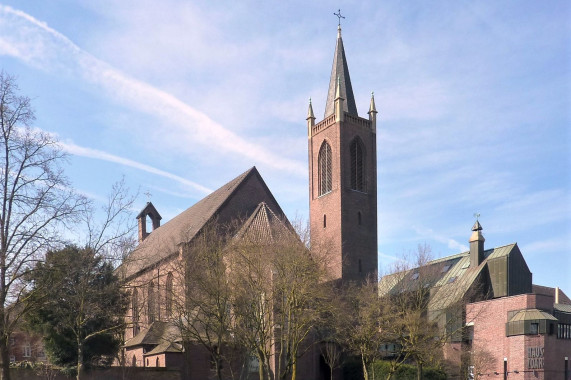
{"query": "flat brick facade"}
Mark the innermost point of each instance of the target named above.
(529, 356)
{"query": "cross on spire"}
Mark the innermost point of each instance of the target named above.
(338, 14)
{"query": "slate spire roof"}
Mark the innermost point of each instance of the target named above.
(340, 72)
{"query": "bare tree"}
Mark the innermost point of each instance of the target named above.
(109, 231)
(332, 353)
(299, 292)
(36, 201)
(418, 323)
(481, 362)
(252, 304)
(202, 310)
(279, 295)
(360, 320)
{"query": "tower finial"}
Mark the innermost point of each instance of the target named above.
(338, 14)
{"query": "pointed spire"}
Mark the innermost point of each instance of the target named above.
(310, 114)
(340, 74)
(372, 107)
(373, 113)
(310, 119)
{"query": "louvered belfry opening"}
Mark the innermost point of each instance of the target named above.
(357, 171)
(324, 168)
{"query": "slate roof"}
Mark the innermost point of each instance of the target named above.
(450, 278)
(164, 241)
(263, 226)
(157, 333)
(531, 315)
(564, 308)
(165, 347)
(340, 70)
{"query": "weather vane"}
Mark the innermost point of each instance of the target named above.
(149, 195)
(338, 14)
(476, 215)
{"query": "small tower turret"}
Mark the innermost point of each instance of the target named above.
(373, 113)
(150, 211)
(310, 119)
(476, 245)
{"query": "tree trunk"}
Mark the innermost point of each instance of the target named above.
(365, 372)
(5, 357)
(79, 359)
(294, 370)
(218, 368)
(419, 374)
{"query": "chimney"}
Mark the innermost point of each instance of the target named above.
(476, 245)
(557, 294)
(148, 211)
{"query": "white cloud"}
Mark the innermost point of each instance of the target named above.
(40, 46)
(428, 233)
(542, 247)
(100, 155)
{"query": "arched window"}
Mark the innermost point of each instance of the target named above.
(134, 361)
(324, 220)
(324, 167)
(151, 303)
(357, 165)
(169, 295)
(135, 311)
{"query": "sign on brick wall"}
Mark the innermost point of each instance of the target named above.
(535, 357)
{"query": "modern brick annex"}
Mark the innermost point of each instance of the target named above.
(505, 317)
(528, 325)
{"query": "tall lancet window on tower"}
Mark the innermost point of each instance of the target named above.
(357, 171)
(324, 164)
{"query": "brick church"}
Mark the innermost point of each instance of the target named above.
(531, 325)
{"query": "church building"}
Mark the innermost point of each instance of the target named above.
(524, 328)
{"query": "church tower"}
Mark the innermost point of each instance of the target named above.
(343, 178)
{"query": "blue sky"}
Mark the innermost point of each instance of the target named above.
(179, 97)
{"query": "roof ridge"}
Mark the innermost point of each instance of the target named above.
(184, 225)
(232, 183)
